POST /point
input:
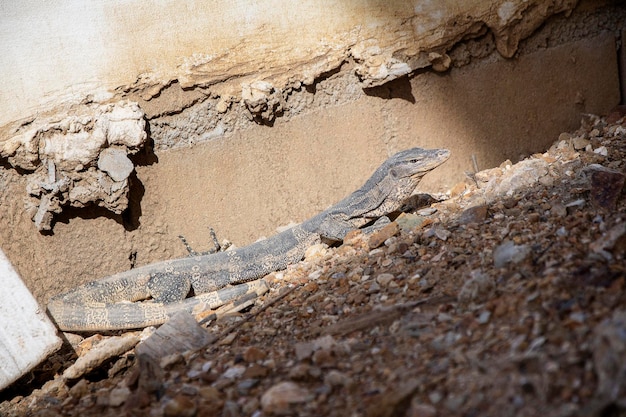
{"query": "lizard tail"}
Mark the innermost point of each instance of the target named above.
(124, 315)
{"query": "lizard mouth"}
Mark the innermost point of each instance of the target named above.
(438, 157)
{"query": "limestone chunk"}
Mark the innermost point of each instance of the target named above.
(126, 126)
(77, 158)
(262, 100)
(114, 162)
(70, 150)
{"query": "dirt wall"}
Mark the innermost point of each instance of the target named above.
(215, 162)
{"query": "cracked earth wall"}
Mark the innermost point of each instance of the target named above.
(254, 119)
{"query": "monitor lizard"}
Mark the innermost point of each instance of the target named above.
(115, 302)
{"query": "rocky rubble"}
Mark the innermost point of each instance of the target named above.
(76, 160)
(505, 299)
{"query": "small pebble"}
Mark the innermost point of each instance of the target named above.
(335, 378)
(180, 406)
(428, 211)
(279, 397)
(418, 409)
(234, 372)
(246, 385)
(602, 150)
(484, 317)
(384, 279)
(476, 214)
(253, 354)
(509, 252)
(435, 397)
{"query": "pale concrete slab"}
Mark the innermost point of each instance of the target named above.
(27, 336)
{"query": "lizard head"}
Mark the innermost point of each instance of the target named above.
(395, 180)
(415, 162)
(398, 176)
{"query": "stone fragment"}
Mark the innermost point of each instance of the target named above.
(244, 387)
(454, 401)
(602, 150)
(606, 186)
(148, 375)
(315, 251)
(612, 243)
(300, 372)
(439, 232)
(179, 334)
(118, 396)
(125, 126)
(509, 252)
(234, 372)
(419, 409)
(483, 317)
(380, 236)
(210, 394)
(572, 206)
(79, 389)
(609, 351)
(384, 279)
(262, 100)
(304, 350)
(375, 69)
(440, 62)
(475, 214)
(336, 378)
(478, 289)
(409, 221)
(391, 402)
(558, 210)
(324, 343)
(255, 371)
(279, 398)
(180, 406)
(580, 143)
(102, 352)
(253, 354)
(458, 189)
(427, 211)
(525, 174)
(115, 162)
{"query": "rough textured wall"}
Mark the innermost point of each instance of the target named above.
(226, 64)
(250, 50)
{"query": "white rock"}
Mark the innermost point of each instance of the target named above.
(384, 279)
(125, 125)
(115, 162)
(278, 398)
(71, 149)
(602, 150)
(509, 252)
(118, 396)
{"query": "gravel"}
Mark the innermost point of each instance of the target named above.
(507, 299)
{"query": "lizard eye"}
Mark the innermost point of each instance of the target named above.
(414, 161)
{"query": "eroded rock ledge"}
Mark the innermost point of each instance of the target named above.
(410, 40)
